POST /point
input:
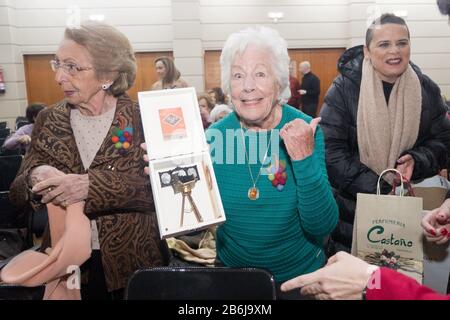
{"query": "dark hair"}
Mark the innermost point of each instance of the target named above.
(444, 6)
(172, 73)
(33, 110)
(219, 95)
(386, 18)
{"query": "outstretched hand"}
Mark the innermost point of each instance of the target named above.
(344, 277)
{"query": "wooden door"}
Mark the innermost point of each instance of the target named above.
(323, 64)
(40, 80)
(145, 74)
(42, 87)
(212, 69)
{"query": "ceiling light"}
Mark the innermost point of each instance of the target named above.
(275, 16)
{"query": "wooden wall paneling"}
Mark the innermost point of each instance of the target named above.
(212, 69)
(40, 80)
(145, 73)
(42, 87)
(323, 64)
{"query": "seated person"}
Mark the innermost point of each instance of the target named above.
(205, 104)
(22, 137)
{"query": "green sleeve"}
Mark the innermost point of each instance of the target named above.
(316, 205)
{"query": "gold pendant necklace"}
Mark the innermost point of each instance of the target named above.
(253, 191)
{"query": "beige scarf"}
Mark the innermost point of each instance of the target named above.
(385, 131)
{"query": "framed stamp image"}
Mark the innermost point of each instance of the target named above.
(172, 122)
(183, 182)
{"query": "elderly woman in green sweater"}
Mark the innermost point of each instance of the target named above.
(269, 162)
(271, 170)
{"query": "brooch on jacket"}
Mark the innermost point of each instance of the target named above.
(122, 136)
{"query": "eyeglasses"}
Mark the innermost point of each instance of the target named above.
(69, 68)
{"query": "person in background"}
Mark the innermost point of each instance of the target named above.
(294, 85)
(86, 149)
(169, 76)
(444, 7)
(21, 139)
(217, 96)
(309, 89)
(380, 112)
(219, 112)
(206, 105)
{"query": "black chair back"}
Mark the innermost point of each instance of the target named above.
(16, 292)
(4, 132)
(21, 124)
(9, 166)
(201, 283)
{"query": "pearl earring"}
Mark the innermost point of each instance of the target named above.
(105, 86)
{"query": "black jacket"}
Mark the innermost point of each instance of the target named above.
(348, 176)
(311, 84)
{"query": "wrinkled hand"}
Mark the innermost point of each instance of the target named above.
(64, 190)
(298, 137)
(436, 224)
(25, 139)
(144, 147)
(405, 165)
(344, 277)
(42, 173)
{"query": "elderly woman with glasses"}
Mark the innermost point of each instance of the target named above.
(86, 149)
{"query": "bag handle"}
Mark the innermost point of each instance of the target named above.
(403, 180)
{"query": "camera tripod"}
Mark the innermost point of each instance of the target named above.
(186, 190)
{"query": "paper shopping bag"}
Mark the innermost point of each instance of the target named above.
(432, 190)
(387, 231)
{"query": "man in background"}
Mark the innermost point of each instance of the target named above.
(309, 89)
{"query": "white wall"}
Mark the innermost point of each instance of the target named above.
(188, 27)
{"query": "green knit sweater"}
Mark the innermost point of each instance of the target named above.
(282, 231)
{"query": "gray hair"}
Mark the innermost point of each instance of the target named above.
(305, 64)
(263, 37)
(217, 110)
(111, 52)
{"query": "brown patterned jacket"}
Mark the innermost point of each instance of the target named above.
(119, 198)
